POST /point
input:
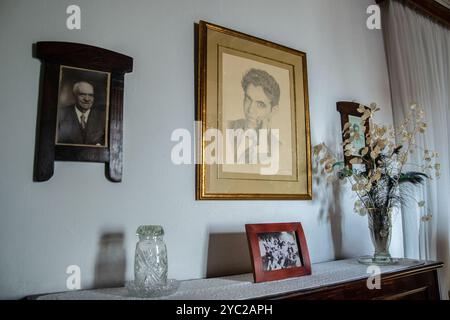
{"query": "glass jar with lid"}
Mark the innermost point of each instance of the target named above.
(150, 263)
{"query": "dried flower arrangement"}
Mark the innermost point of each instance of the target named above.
(385, 177)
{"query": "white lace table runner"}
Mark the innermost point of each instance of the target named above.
(241, 287)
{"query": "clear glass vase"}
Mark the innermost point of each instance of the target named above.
(380, 229)
(150, 263)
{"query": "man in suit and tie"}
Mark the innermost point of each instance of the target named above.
(261, 100)
(82, 123)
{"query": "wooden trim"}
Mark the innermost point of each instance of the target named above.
(402, 295)
(429, 8)
(416, 270)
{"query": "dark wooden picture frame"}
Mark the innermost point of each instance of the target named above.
(347, 109)
(257, 232)
(55, 56)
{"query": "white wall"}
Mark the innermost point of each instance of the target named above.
(44, 227)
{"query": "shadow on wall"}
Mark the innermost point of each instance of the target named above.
(328, 194)
(228, 254)
(111, 261)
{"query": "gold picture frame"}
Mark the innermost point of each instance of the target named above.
(252, 104)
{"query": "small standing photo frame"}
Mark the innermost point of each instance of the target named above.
(278, 251)
(350, 114)
(80, 107)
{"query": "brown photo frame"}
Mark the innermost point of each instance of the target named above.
(278, 251)
(348, 111)
(80, 114)
(230, 64)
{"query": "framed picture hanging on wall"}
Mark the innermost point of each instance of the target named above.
(254, 115)
(354, 125)
(81, 107)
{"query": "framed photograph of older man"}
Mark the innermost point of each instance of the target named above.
(254, 112)
(83, 107)
(80, 108)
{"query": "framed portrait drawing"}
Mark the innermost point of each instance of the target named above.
(278, 251)
(350, 114)
(254, 118)
(80, 107)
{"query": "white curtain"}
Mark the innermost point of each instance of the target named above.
(418, 53)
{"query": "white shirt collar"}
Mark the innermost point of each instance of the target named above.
(79, 113)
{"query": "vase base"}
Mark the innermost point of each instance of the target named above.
(154, 291)
(378, 261)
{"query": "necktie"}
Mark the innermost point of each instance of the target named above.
(83, 121)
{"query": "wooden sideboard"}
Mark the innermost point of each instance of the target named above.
(418, 283)
(332, 280)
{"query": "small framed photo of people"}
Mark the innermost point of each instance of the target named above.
(83, 107)
(80, 115)
(278, 251)
(254, 117)
(354, 128)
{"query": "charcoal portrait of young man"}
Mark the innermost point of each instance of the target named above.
(256, 101)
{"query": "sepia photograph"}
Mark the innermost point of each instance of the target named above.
(279, 250)
(83, 105)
